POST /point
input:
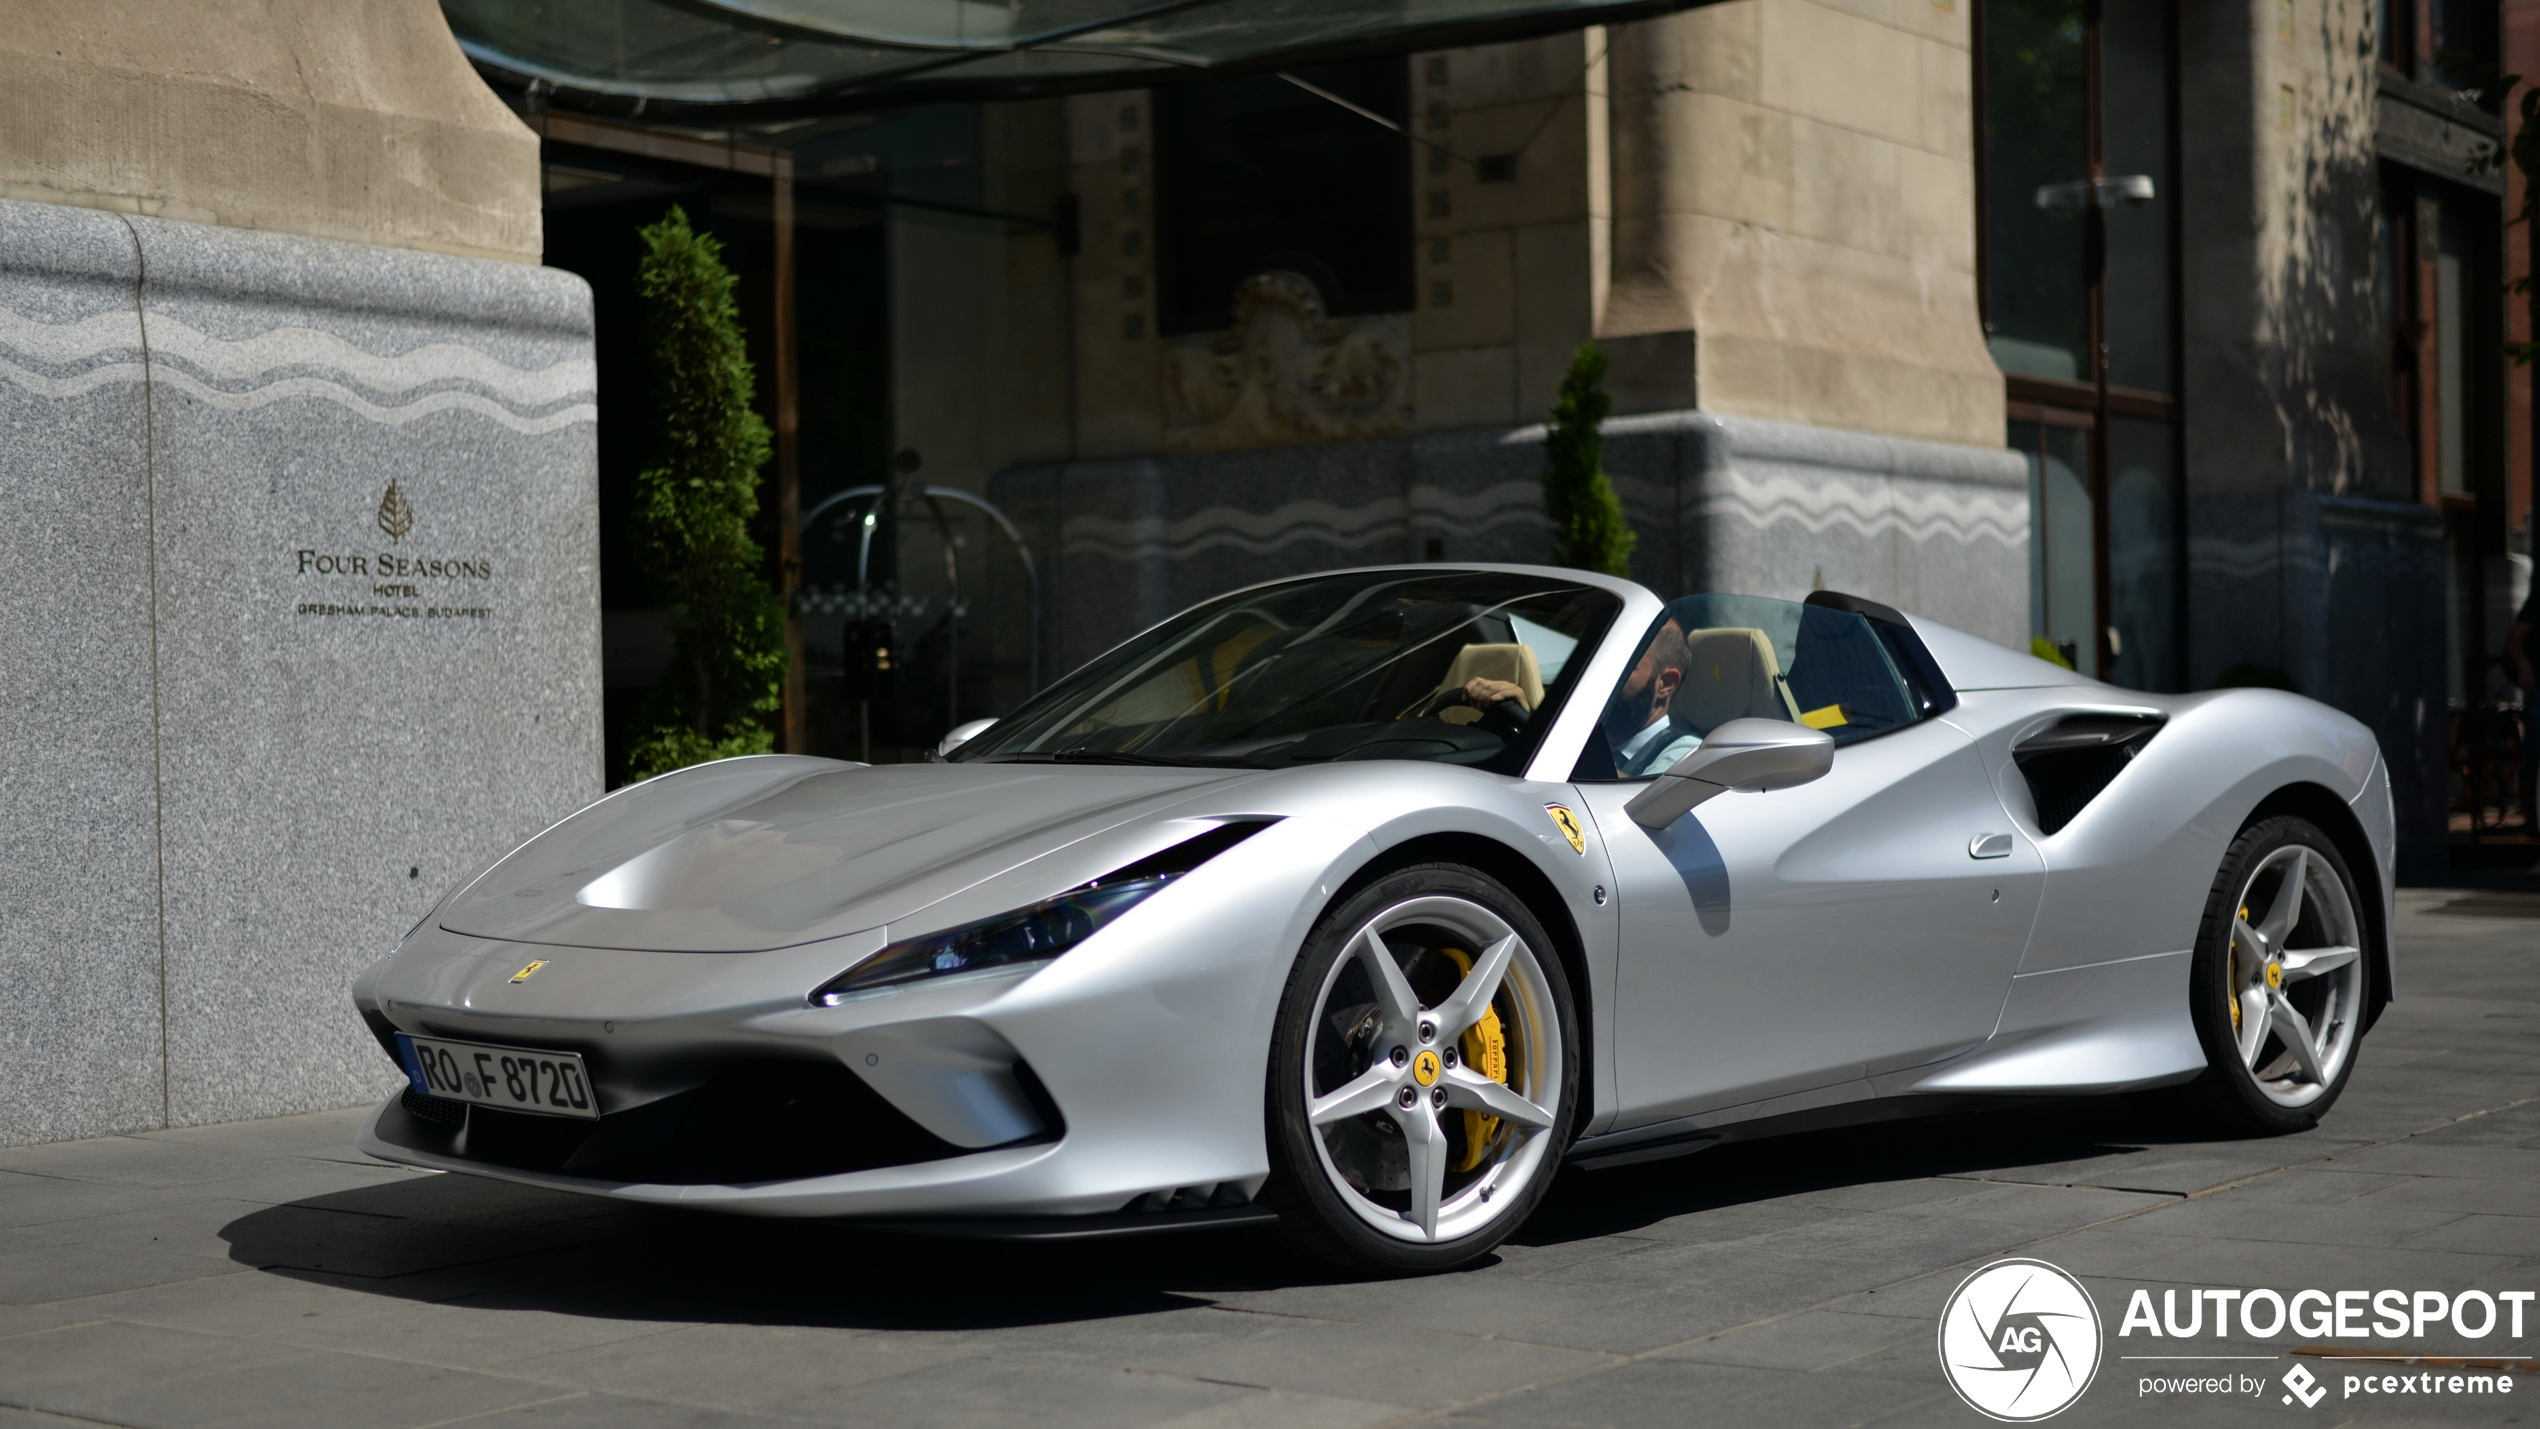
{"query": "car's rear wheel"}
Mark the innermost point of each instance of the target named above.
(1423, 1075)
(2279, 981)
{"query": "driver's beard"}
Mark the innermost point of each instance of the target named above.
(1625, 717)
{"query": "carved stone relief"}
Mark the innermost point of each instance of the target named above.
(1286, 373)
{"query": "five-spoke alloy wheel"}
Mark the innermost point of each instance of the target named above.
(1424, 1074)
(2281, 979)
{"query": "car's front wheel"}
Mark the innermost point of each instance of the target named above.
(1423, 1075)
(2279, 982)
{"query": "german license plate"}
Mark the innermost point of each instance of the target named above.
(507, 1078)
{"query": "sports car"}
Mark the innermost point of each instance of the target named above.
(1362, 902)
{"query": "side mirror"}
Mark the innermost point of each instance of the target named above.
(959, 735)
(1751, 755)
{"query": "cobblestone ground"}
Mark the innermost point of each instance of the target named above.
(267, 1274)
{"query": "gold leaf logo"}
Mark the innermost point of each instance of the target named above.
(395, 516)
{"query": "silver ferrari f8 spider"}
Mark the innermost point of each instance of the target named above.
(1360, 902)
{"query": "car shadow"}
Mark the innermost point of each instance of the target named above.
(2001, 1142)
(501, 1246)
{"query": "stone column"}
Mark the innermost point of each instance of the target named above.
(298, 557)
(1794, 218)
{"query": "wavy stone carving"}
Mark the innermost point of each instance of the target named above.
(244, 374)
(1286, 373)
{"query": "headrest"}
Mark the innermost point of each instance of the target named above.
(1512, 663)
(1730, 676)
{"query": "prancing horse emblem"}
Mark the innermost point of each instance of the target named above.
(1568, 824)
(524, 974)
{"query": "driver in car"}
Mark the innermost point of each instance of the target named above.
(1635, 721)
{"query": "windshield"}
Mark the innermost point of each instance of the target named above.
(1709, 659)
(1458, 667)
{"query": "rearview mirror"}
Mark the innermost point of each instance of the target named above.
(1749, 755)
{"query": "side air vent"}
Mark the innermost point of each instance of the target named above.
(2067, 765)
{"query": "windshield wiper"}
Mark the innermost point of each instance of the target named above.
(1082, 755)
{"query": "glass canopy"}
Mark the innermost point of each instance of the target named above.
(664, 57)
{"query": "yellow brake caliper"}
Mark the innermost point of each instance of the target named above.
(1485, 1049)
(2235, 975)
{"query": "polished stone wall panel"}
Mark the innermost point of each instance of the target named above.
(237, 772)
(79, 905)
(329, 774)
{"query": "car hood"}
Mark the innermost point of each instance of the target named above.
(748, 854)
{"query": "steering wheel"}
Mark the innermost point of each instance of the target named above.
(1505, 718)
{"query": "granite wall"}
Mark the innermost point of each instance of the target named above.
(1721, 504)
(298, 624)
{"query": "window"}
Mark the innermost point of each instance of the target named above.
(1258, 174)
(1458, 667)
(1709, 659)
(2453, 43)
(2439, 251)
(2079, 255)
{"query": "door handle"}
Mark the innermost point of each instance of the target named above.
(1989, 846)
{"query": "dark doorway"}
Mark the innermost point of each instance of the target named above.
(1258, 174)
(596, 202)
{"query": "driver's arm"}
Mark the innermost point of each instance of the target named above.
(1485, 692)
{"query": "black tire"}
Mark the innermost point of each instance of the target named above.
(1318, 1215)
(2227, 1094)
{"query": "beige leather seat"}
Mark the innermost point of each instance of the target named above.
(1733, 675)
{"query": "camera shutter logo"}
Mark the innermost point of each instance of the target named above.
(2020, 1341)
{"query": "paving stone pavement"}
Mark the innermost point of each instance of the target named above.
(265, 1273)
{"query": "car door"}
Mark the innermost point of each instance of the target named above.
(1777, 942)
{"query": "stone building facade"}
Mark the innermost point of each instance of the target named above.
(1764, 214)
(2167, 334)
(2258, 454)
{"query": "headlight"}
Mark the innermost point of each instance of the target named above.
(1035, 935)
(1038, 933)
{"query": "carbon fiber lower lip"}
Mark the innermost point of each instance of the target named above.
(1063, 1228)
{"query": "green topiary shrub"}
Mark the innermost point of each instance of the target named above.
(693, 504)
(1589, 532)
(2046, 650)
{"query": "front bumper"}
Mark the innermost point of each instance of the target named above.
(1123, 1078)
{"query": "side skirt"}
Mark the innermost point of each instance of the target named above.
(1631, 1148)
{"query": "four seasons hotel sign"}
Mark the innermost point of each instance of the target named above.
(390, 582)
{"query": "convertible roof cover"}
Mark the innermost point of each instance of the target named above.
(782, 57)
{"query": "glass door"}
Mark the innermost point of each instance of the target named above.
(2077, 136)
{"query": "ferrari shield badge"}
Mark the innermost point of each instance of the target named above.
(524, 974)
(1568, 824)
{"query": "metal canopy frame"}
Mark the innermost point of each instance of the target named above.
(763, 59)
